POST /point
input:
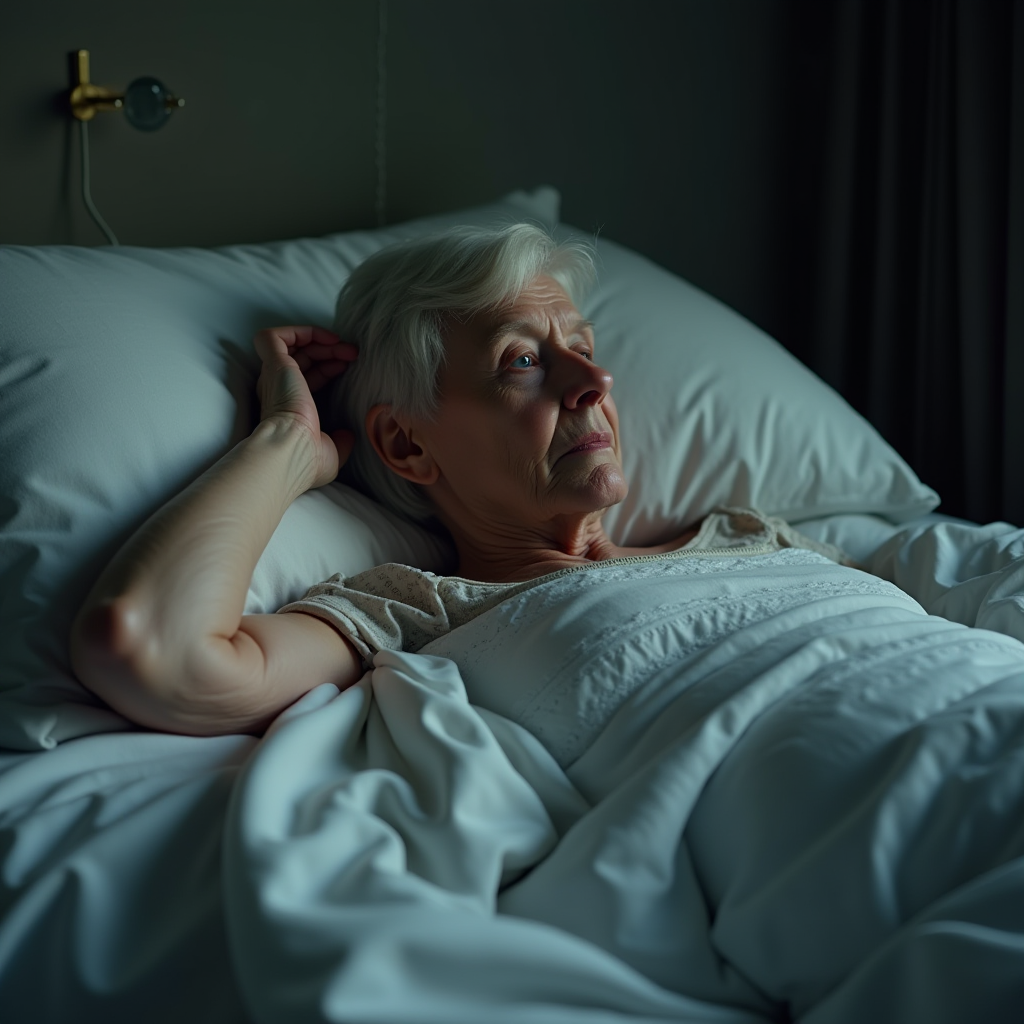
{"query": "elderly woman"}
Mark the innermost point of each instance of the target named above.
(475, 403)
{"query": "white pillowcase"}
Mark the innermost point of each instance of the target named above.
(125, 372)
(715, 412)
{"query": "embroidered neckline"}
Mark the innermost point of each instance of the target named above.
(679, 553)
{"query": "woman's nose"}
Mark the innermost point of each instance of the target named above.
(585, 382)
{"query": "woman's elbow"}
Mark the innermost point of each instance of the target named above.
(103, 646)
(114, 655)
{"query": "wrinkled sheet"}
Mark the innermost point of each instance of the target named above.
(820, 817)
(964, 572)
(111, 896)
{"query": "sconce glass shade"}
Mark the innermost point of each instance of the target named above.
(148, 104)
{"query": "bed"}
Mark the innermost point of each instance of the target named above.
(817, 817)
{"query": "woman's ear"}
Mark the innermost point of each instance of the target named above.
(396, 444)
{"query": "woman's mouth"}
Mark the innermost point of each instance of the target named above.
(591, 443)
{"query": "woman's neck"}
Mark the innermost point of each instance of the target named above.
(498, 553)
(499, 556)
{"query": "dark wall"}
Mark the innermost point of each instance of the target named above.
(785, 155)
(659, 121)
(272, 141)
(654, 119)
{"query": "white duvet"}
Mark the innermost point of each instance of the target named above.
(760, 788)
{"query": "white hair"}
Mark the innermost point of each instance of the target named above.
(393, 307)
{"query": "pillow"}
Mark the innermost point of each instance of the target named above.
(125, 372)
(715, 412)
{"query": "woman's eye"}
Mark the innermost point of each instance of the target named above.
(523, 362)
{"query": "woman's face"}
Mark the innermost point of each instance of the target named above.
(526, 428)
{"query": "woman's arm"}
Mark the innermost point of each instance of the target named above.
(161, 637)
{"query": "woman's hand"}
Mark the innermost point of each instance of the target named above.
(162, 636)
(298, 361)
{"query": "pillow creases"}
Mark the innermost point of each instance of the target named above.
(124, 372)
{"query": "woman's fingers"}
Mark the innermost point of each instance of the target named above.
(315, 341)
(297, 361)
(319, 374)
(319, 354)
(300, 335)
(315, 344)
(269, 344)
(309, 334)
(340, 353)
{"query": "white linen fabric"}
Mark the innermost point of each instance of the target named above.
(762, 786)
(111, 898)
(715, 412)
(976, 575)
(962, 571)
(124, 372)
(810, 810)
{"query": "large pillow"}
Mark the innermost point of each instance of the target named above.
(715, 412)
(125, 372)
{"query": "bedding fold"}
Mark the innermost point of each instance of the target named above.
(800, 803)
(968, 573)
(804, 801)
(368, 844)
(111, 904)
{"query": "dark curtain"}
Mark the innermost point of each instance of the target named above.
(903, 236)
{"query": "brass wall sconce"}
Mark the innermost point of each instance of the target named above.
(147, 103)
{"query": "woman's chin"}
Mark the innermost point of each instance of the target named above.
(605, 486)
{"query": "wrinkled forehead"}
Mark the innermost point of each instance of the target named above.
(543, 303)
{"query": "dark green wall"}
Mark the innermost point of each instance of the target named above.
(272, 142)
(781, 154)
(659, 120)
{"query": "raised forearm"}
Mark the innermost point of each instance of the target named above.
(160, 615)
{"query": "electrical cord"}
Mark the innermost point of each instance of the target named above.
(381, 146)
(86, 190)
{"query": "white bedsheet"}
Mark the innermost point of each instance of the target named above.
(818, 813)
(111, 905)
(962, 571)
